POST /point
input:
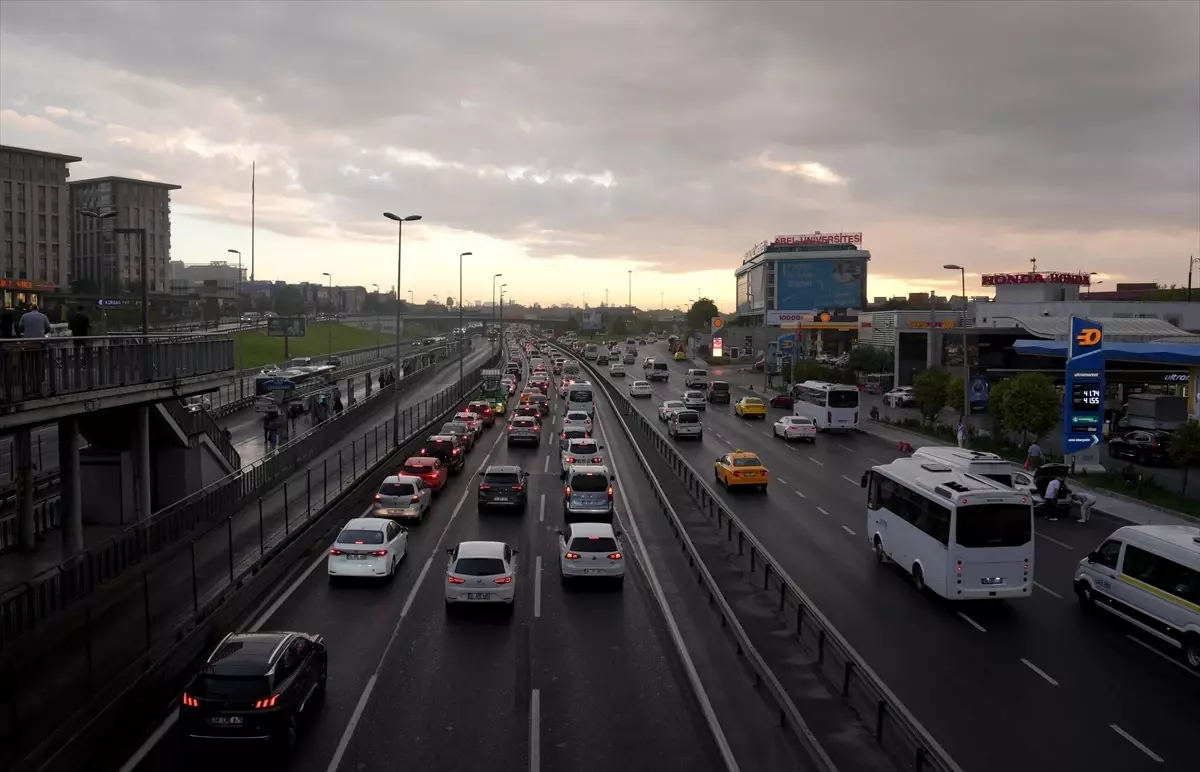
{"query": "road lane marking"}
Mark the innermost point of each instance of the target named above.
(845, 447)
(542, 509)
(822, 511)
(1164, 655)
(1039, 671)
(972, 623)
(849, 531)
(874, 460)
(781, 481)
(1047, 590)
(801, 495)
(1064, 545)
(852, 482)
(144, 750)
(716, 435)
(818, 463)
(790, 447)
(769, 434)
(535, 730)
(546, 464)
(537, 586)
(1134, 742)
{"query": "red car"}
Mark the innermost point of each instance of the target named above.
(429, 469)
(782, 400)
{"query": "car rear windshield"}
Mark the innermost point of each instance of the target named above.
(354, 536)
(581, 395)
(1003, 479)
(593, 544)
(418, 468)
(230, 689)
(397, 489)
(843, 399)
(502, 478)
(584, 447)
(479, 566)
(575, 434)
(751, 461)
(720, 386)
(524, 423)
(592, 482)
(700, 373)
(539, 398)
(688, 418)
(660, 365)
(993, 525)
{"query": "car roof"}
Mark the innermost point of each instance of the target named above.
(246, 653)
(584, 412)
(743, 454)
(400, 478)
(751, 399)
(367, 523)
(420, 461)
(589, 469)
(584, 439)
(481, 549)
(503, 469)
(440, 438)
(591, 529)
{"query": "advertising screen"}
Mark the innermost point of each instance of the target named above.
(814, 285)
(591, 321)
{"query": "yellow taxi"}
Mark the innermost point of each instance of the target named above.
(680, 356)
(528, 395)
(741, 467)
(750, 407)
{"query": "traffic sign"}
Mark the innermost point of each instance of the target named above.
(716, 323)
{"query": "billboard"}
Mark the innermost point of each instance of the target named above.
(815, 285)
(1083, 406)
(285, 326)
(591, 321)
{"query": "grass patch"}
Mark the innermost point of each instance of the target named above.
(253, 348)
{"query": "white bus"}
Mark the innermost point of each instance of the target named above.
(581, 397)
(591, 351)
(962, 536)
(831, 406)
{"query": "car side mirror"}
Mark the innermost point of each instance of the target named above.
(516, 552)
(866, 477)
(450, 551)
(1093, 557)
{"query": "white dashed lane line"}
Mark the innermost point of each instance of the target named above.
(815, 461)
(1039, 671)
(852, 482)
(845, 447)
(849, 531)
(801, 495)
(822, 511)
(1134, 742)
(972, 622)
(1047, 590)
(781, 481)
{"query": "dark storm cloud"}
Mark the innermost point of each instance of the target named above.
(1035, 116)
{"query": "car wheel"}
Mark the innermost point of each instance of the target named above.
(291, 733)
(620, 583)
(1191, 651)
(918, 577)
(509, 608)
(880, 556)
(1087, 600)
(700, 435)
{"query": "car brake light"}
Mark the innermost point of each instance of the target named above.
(572, 556)
(570, 459)
(485, 487)
(597, 460)
(335, 552)
(615, 556)
(737, 474)
(190, 701)
(422, 451)
(504, 580)
(454, 580)
(518, 488)
(610, 493)
(454, 452)
(267, 703)
(567, 492)
(380, 553)
(378, 497)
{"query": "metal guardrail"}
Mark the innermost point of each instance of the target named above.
(24, 606)
(198, 421)
(893, 726)
(40, 370)
(118, 642)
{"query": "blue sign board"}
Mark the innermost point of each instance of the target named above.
(278, 384)
(820, 285)
(1083, 399)
(786, 344)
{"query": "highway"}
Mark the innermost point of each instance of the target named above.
(580, 679)
(1053, 684)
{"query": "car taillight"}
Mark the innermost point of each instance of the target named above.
(190, 701)
(422, 451)
(378, 497)
(737, 474)
(518, 488)
(610, 493)
(268, 702)
(335, 552)
(572, 556)
(504, 580)
(597, 460)
(454, 580)
(454, 452)
(567, 492)
(615, 556)
(570, 459)
(379, 553)
(485, 487)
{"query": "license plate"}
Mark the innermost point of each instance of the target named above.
(357, 557)
(478, 596)
(591, 570)
(226, 721)
(751, 474)
(500, 498)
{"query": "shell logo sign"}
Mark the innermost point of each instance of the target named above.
(716, 323)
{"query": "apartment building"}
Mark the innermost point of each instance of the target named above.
(106, 249)
(35, 242)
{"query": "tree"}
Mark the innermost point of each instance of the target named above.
(871, 359)
(954, 394)
(449, 301)
(1185, 449)
(572, 323)
(701, 313)
(930, 388)
(1027, 403)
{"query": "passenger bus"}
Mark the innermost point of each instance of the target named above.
(962, 536)
(831, 406)
(300, 376)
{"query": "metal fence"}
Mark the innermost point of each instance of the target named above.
(24, 606)
(193, 422)
(39, 370)
(50, 682)
(893, 726)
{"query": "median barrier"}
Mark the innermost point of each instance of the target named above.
(896, 730)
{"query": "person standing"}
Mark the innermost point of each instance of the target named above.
(6, 323)
(962, 432)
(1035, 457)
(80, 326)
(1051, 499)
(34, 324)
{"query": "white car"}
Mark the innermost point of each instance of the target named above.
(796, 427)
(481, 572)
(685, 423)
(640, 389)
(616, 370)
(402, 497)
(901, 396)
(667, 408)
(581, 451)
(694, 400)
(590, 551)
(577, 419)
(368, 546)
(471, 419)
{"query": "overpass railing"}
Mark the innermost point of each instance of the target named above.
(198, 421)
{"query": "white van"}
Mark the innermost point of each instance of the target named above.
(974, 462)
(591, 351)
(581, 396)
(696, 378)
(1148, 575)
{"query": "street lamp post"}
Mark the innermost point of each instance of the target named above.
(328, 323)
(1192, 260)
(412, 299)
(102, 216)
(502, 286)
(494, 277)
(966, 364)
(242, 347)
(462, 334)
(378, 323)
(399, 262)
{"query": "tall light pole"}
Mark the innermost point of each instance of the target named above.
(412, 298)
(378, 323)
(462, 334)
(966, 365)
(494, 277)
(328, 323)
(239, 284)
(101, 217)
(502, 286)
(1192, 260)
(399, 263)
(630, 291)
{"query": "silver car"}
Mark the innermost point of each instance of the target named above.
(694, 400)
(462, 430)
(524, 429)
(402, 497)
(588, 494)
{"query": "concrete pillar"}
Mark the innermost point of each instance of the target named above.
(931, 349)
(72, 491)
(369, 382)
(23, 451)
(142, 464)
(896, 362)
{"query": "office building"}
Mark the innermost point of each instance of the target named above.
(35, 244)
(108, 261)
(791, 279)
(218, 278)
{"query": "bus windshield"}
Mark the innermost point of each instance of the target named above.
(993, 525)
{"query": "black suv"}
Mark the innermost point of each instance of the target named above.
(256, 686)
(450, 448)
(718, 391)
(503, 486)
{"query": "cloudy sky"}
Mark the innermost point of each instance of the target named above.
(567, 143)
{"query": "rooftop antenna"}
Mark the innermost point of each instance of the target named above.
(1033, 262)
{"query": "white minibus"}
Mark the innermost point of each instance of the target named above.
(974, 462)
(962, 536)
(581, 397)
(831, 406)
(591, 351)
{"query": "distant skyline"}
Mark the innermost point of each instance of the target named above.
(565, 144)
